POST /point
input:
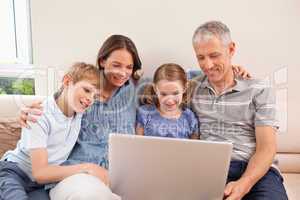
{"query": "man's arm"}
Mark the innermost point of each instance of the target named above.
(258, 165)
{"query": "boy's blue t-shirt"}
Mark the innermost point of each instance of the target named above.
(149, 118)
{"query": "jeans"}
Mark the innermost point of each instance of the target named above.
(15, 184)
(269, 187)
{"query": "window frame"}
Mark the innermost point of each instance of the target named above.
(23, 43)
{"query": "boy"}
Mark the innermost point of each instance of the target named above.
(48, 143)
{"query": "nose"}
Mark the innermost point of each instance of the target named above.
(90, 98)
(169, 100)
(207, 64)
(121, 73)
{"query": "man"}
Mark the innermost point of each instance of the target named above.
(238, 111)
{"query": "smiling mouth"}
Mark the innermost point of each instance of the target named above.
(172, 105)
(84, 105)
(119, 79)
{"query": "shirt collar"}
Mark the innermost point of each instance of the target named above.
(239, 86)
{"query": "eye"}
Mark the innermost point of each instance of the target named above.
(214, 55)
(87, 90)
(200, 57)
(163, 94)
(130, 67)
(116, 65)
(176, 93)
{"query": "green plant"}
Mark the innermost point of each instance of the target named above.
(16, 86)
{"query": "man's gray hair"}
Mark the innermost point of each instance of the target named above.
(212, 29)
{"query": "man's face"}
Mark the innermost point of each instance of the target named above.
(214, 58)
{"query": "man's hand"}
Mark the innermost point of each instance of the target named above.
(236, 190)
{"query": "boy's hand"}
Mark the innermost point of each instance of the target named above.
(98, 172)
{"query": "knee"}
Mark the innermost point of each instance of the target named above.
(81, 187)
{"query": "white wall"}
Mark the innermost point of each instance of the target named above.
(266, 32)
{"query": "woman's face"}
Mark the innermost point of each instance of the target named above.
(118, 67)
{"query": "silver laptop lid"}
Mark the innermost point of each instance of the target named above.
(155, 168)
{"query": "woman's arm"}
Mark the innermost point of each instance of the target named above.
(30, 113)
(44, 173)
(241, 72)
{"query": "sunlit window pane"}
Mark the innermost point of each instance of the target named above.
(7, 32)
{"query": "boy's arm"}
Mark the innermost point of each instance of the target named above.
(35, 140)
(44, 173)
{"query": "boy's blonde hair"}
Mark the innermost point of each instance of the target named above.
(82, 71)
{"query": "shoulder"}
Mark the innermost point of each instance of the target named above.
(50, 114)
(256, 83)
(49, 110)
(189, 114)
(146, 109)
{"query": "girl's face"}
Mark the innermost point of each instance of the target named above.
(118, 67)
(169, 94)
(81, 95)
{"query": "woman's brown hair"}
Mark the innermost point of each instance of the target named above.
(116, 42)
(170, 72)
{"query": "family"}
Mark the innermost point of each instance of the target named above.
(63, 150)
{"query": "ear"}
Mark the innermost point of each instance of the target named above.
(185, 88)
(102, 63)
(67, 80)
(231, 48)
(154, 88)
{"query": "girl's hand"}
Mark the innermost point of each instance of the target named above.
(30, 113)
(241, 72)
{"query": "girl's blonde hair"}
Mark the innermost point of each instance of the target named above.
(82, 71)
(170, 72)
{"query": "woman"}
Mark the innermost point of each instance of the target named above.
(113, 112)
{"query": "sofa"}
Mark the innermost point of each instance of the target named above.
(288, 153)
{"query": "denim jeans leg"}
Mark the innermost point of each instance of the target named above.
(269, 187)
(11, 182)
(39, 194)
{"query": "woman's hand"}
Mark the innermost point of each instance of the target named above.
(30, 113)
(241, 72)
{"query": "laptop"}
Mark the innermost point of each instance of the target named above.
(157, 168)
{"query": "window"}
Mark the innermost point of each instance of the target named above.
(15, 48)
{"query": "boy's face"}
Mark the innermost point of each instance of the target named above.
(81, 95)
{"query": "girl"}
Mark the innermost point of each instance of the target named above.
(165, 113)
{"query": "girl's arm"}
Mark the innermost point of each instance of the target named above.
(44, 173)
(139, 130)
(195, 136)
